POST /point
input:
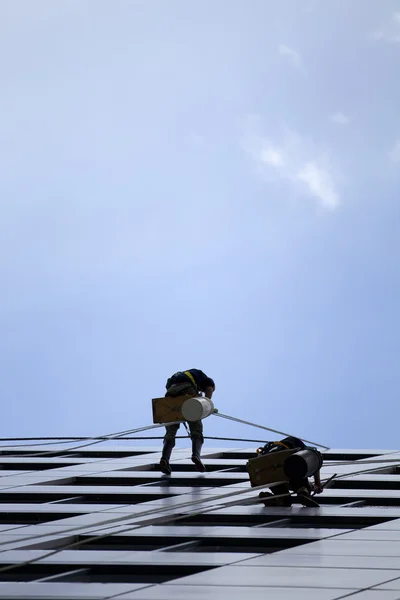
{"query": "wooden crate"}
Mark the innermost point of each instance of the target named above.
(268, 468)
(168, 410)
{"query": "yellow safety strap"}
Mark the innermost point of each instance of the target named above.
(191, 378)
(277, 443)
(282, 444)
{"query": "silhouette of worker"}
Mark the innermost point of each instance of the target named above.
(306, 460)
(191, 382)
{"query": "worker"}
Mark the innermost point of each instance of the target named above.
(297, 481)
(191, 383)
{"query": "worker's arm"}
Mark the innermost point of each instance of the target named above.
(318, 489)
(209, 392)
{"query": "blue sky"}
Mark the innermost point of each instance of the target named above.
(205, 184)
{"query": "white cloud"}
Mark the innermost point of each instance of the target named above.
(394, 153)
(294, 160)
(272, 156)
(320, 184)
(340, 119)
(390, 31)
(292, 55)
(286, 51)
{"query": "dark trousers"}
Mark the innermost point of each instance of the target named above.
(195, 427)
(284, 488)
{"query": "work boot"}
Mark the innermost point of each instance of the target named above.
(304, 497)
(267, 498)
(271, 500)
(285, 502)
(166, 455)
(196, 449)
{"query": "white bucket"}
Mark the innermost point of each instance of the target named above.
(196, 409)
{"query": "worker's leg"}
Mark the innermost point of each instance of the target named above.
(171, 430)
(277, 490)
(303, 489)
(282, 490)
(300, 485)
(169, 443)
(181, 389)
(196, 433)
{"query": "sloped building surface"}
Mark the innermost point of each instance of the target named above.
(105, 523)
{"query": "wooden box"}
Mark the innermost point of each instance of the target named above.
(268, 468)
(168, 410)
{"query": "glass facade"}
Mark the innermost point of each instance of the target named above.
(105, 523)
